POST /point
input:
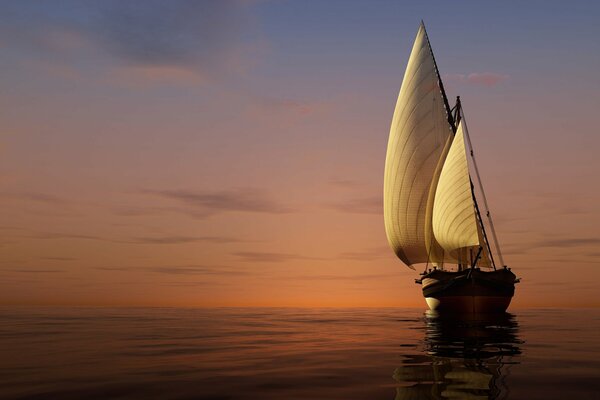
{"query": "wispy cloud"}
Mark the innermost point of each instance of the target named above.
(140, 76)
(366, 205)
(517, 248)
(180, 270)
(193, 284)
(569, 242)
(206, 37)
(140, 211)
(177, 32)
(37, 197)
(344, 183)
(567, 261)
(258, 256)
(366, 255)
(184, 239)
(205, 203)
(152, 240)
(194, 270)
(276, 106)
(33, 270)
(577, 250)
(487, 79)
(58, 235)
(353, 278)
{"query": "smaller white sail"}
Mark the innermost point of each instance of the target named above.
(454, 222)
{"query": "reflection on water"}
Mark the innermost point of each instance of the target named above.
(295, 354)
(462, 359)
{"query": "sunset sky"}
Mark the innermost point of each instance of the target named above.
(218, 153)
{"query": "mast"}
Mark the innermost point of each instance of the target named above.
(459, 116)
(454, 116)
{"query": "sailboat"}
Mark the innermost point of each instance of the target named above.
(431, 212)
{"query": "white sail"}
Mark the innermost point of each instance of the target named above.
(419, 132)
(437, 255)
(454, 221)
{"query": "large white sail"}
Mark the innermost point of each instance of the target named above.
(420, 130)
(454, 220)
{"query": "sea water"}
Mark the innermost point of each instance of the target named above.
(289, 353)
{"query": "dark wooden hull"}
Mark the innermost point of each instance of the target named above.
(470, 291)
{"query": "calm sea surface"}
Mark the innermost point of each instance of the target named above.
(268, 353)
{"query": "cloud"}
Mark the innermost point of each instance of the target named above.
(43, 198)
(206, 37)
(55, 235)
(487, 79)
(180, 270)
(516, 248)
(258, 256)
(580, 255)
(367, 205)
(205, 203)
(184, 239)
(344, 183)
(366, 255)
(192, 284)
(364, 277)
(141, 76)
(570, 242)
(567, 261)
(40, 204)
(270, 106)
(178, 32)
(12, 228)
(137, 211)
(155, 240)
(193, 270)
(33, 271)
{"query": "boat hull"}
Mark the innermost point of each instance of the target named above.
(470, 291)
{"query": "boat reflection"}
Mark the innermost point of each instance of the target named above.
(463, 359)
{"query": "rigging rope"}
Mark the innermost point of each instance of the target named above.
(485, 203)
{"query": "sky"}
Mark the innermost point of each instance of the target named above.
(231, 153)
